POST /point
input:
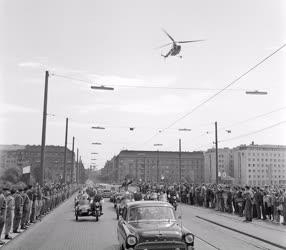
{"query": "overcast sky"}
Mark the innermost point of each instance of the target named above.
(113, 43)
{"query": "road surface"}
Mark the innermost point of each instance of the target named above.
(59, 230)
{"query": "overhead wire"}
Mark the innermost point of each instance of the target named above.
(219, 92)
(253, 132)
(142, 86)
(244, 135)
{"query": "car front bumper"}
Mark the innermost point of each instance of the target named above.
(166, 245)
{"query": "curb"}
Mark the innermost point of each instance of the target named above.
(241, 232)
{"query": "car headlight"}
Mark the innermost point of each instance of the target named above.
(131, 240)
(189, 238)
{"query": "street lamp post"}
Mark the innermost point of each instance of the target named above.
(180, 162)
(42, 167)
(72, 162)
(65, 154)
(216, 154)
(157, 145)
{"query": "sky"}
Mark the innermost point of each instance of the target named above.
(113, 43)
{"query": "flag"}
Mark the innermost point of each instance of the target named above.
(26, 170)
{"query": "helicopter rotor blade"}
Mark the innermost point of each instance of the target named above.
(168, 35)
(165, 45)
(192, 41)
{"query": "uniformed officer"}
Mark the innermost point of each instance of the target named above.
(34, 205)
(9, 213)
(2, 212)
(30, 195)
(18, 210)
(25, 213)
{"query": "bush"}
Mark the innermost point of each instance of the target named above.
(12, 175)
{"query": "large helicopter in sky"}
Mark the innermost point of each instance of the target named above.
(176, 47)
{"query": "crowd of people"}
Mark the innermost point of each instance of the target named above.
(267, 203)
(20, 207)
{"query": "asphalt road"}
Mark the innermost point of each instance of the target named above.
(59, 230)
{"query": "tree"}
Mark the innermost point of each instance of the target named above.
(12, 175)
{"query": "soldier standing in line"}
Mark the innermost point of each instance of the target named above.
(30, 195)
(17, 212)
(2, 213)
(25, 213)
(33, 208)
(9, 213)
(39, 201)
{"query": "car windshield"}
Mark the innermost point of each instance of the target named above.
(151, 213)
(83, 201)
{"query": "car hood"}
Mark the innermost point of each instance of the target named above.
(156, 231)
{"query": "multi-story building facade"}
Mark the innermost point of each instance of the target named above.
(20, 156)
(225, 165)
(151, 166)
(260, 165)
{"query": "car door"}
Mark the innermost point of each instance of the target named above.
(121, 233)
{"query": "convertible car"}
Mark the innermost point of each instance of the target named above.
(150, 225)
(86, 208)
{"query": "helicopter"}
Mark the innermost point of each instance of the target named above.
(176, 47)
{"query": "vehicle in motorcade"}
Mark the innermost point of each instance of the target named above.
(86, 207)
(152, 225)
(106, 193)
(113, 196)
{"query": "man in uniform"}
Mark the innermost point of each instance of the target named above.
(30, 195)
(34, 205)
(25, 214)
(2, 213)
(9, 213)
(18, 210)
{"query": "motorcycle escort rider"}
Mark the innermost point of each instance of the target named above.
(173, 197)
(97, 198)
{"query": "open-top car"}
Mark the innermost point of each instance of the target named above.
(85, 207)
(148, 225)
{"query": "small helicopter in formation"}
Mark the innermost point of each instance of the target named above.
(176, 48)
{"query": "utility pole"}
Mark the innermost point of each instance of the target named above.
(76, 166)
(79, 170)
(180, 162)
(216, 154)
(72, 162)
(42, 169)
(65, 156)
(157, 166)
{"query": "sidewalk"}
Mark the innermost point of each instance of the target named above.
(14, 235)
(265, 230)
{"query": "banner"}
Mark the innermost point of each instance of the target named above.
(26, 170)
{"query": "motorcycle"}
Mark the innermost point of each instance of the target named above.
(97, 211)
(173, 201)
